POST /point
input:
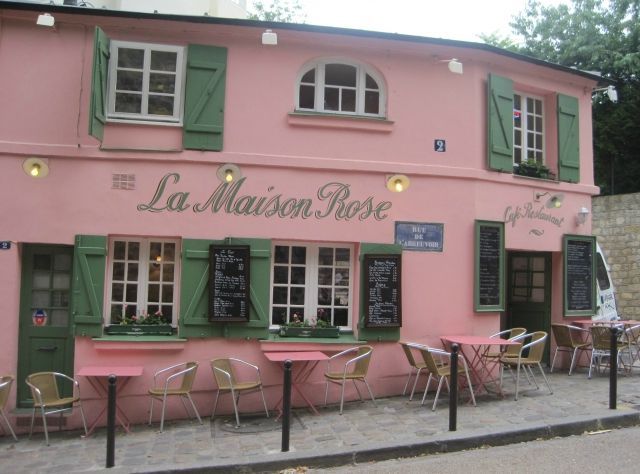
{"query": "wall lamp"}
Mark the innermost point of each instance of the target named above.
(454, 65)
(36, 167)
(610, 92)
(581, 218)
(45, 19)
(270, 38)
(228, 173)
(397, 183)
(555, 201)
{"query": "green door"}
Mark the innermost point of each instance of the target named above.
(529, 292)
(45, 337)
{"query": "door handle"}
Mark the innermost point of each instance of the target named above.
(48, 349)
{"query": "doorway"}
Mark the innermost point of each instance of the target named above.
(45, 336)
(529, 292)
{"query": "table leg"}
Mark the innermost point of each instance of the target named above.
(101, 390)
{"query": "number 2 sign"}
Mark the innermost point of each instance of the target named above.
(439, 145)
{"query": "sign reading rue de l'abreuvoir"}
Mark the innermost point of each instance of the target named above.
(332, 199)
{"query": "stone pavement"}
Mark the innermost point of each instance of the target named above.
(395, 427)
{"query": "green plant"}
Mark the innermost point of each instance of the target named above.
(144, 319)
(532, 168)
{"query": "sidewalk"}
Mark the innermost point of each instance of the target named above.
(395, 427)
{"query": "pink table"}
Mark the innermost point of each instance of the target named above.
(98, 379)
(586, 323)
(303, 364)
(474, 349)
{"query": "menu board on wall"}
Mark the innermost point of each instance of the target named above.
(383, 290)
(579, 275)
(489, 266)
(229, 283)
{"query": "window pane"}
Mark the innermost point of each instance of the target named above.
(279, 315)
(299, 255)
(340, 75)
(60, 298)
(281, 274)
(62, 262)
(132, 292)
(163, 83)
(342, 297)
(61, 281)
(309, 76)
(325, 276)
(296, 313)
(307, 97)
(343, 257)
(119, 250)
(342, 277)
(281, 254)
(169, 252)
(40, 280)
(133, 251)
(40, 299)
(154, 293)
(132, 271)
(324, 314)
(297, 275)
(117, 292)
(167, 294)
(160, 105)
(129, 81)
(130, 58)
(371, 102)
(118, 271)
(167, 272)
(279, 295)
(155, 251)
(163, 60)
(331, 98)
(154, 272)
(371, 83)
(538, 123)
(42, 262)
(128, 103)
(325, 256)
(340, 317)
(297, 296)
(59, 317)
(324, 296)
(348, 100)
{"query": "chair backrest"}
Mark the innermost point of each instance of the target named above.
(515, 334)
(429, 355)
(601, 337)
(632, 334)
(5, 388)
(47, 384)
(190, 376)
(408, 353)
(362, 364)
(562, 335)
(536, 345)
(219, 367)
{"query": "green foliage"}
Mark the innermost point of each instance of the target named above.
(602, 36)
(286, 11)
(531, 168)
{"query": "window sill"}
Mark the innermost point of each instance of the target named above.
(154, 343)
(321, 120)
(277, 343)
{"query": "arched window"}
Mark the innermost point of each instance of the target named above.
(341, 87)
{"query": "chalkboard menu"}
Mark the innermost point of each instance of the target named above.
(382, 291)
(579, 275)
(229, 283)
(489, 285)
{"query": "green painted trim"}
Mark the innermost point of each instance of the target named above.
(500, 123)
(124, 338)
(568, 138)
(366, 118)
(476, 271)
(341, 339)
(587, 312)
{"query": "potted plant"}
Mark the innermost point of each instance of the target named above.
(149, 323)
(531, 168)
(304, 328)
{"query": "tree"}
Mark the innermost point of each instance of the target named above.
(603, 36)
(286, 11)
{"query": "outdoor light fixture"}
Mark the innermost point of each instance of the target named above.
(36, 167)
(555, 201)
(228, 173)
(581, 218)
(397, 183)
(455, 66)
(537, 195)
(45, 19)
(269, 38)
(610, 92)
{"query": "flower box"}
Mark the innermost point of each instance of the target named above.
(140, 329)
(287, 331)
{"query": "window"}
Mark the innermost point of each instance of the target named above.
(528, 129)
(145, 81)
(341, 88)
(143, 278)
(313, 282)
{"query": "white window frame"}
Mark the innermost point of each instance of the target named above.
(178, 94)
(143, 274)
(361, 88)
(311, 279)
(525, 116)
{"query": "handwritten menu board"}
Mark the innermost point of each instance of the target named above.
(579, 264)
(229, 283)
(489, 266)
(383, 290)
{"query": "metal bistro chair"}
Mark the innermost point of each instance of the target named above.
(439, 369)
(174, 381)
(601, 347)
(5, 388)
(418, 366)
(632, 338)
(47, 398)
(571, 339)
(533, 357)
(355, 369)
(512, 349)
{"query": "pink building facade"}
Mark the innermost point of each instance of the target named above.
(316, 158)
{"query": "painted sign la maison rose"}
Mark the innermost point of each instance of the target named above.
(331, 200)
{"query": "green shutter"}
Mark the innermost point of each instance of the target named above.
(260, 264)
(204, 97)
(194, 294)
(500, 123)
(89, 263)
(568, 139)
(374, 334)
(97, 116)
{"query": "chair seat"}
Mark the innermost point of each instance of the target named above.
(160, 392)
(341, 375)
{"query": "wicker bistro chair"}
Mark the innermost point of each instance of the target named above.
(415, 365)
(174, 381)
(5, 387)
(601, 347)
(355, 369)
(509, 334)
(534, 351)
(632, 338)
(571, 339)
(48, 400)
(224, 374)
(437, 362)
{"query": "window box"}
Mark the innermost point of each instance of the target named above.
(532, 169)
(287, 331)
(140, 329)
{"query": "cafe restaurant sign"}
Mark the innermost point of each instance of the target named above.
(331, 200)
(531, 212)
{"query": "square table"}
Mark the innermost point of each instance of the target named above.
(474, 349)
(303, 364)
(98, 379)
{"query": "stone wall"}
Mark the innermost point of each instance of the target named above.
(616, 224)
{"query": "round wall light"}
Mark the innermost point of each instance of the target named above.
(228, 173)
(36, 167)
(397, 183)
